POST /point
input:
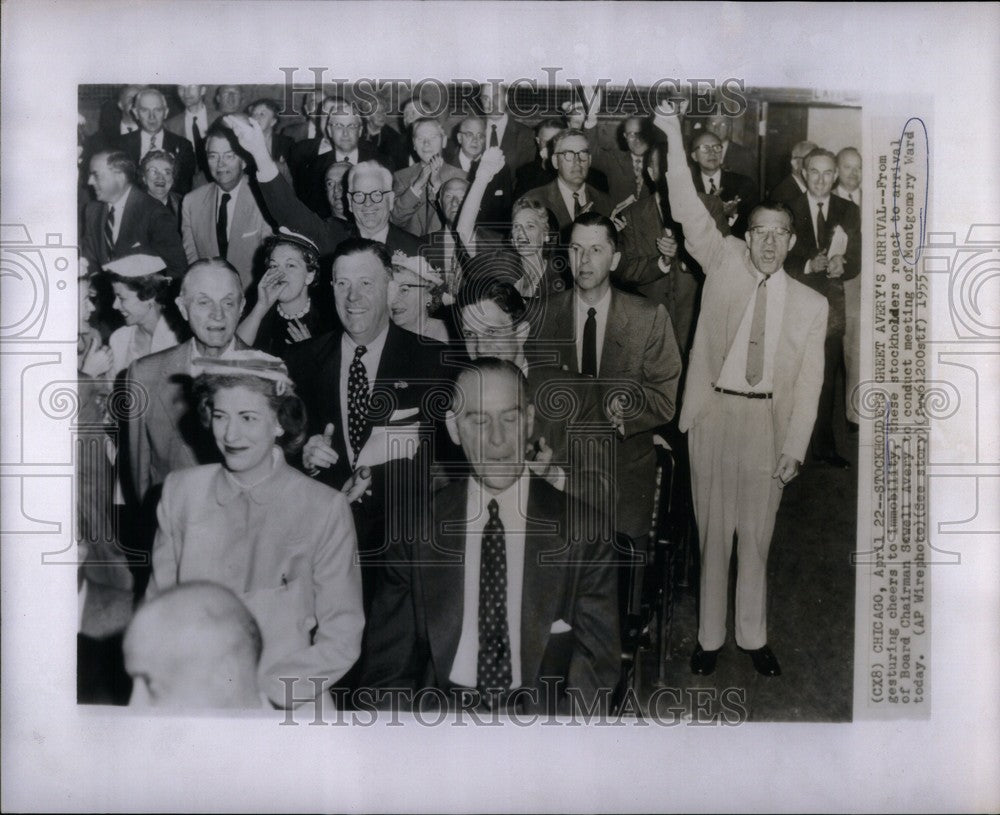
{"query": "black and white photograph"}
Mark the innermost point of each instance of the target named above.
(499, 406)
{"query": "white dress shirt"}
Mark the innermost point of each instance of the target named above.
(230, 204)
(814, 212)
(513, 506)
(201, 114)
(146, 142)
(602, 307)
(352, 156)
(119, 207)
(464, 161)
(853, 197)
(124, 129)
(734, 370)
(371, 359)
(708, 179)
(567, 196)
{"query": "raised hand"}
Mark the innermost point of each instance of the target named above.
(269, 287)
(539, 457)
(248, 133)
(358, 485)
(490, 163)
(98, 359)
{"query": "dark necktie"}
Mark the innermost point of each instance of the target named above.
(576, 205)
(109, 231)
(199, 150)
(357, 402)
(222, 225)
(493, 665)
(755, 348)
(712, 190)
(820, 227)
(589, 366)
(494, 141)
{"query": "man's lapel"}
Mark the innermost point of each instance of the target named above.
(542, 586)
(613, 359)
(562, 214)
(128, 217)
(442, 569)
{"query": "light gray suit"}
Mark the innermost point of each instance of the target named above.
(246, 232)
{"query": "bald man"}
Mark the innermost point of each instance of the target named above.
(794, 184)
(194, 646)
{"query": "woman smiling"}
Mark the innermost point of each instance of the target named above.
(284, 543)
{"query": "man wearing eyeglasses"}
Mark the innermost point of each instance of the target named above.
(369, 200)
(569, 196)
(827, 252)
(494, 211)
(738, 193)
(416, 187)
(756, 370)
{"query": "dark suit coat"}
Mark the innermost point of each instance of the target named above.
(787, 191)
(416, 622)
(639, 269)
(163, 432)
(308, 170)
(739, 159)
(180, 147)
(393, 145)
(286, 209)
(517, 144)
(733, 185)
(538, 173)
(639, 358)
(175, 124)
(841, 213)
(552, 198)
(617, 165)
(410, 375)
(494, 211)
(145, 224)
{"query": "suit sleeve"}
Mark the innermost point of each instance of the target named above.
(340, 620)
(639, 266)
(406, 204)
(702, 238)
(287, 210)
(187, 231)
(164, 241)
(89, 248)
(808, 383)
(852, 226)
(661, 371)
(596, 660)
(168, 540)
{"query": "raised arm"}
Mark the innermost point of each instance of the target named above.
(701, 236)
(490, 164)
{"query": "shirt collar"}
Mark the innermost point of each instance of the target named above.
(566, 191)
(227, 487)
(717, 175)
(233, 193)
(601, 305)
(119, 205)
(813, 201)
(480, 497)
(198, 113)
(374, 347)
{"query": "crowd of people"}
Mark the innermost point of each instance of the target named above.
(392, 394)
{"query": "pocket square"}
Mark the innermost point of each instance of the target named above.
(560, 627)
(403, 414)
(497, 193)
(250, 234)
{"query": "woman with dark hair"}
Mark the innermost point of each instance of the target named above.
(141, 292)
(290, 307)
(416, 291)
(283, 542)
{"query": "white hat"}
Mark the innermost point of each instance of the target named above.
(136, 266)
(244, 363)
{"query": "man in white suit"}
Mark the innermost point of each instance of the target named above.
(222, 219)
(756, 370)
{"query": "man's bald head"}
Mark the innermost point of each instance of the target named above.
(194, 646)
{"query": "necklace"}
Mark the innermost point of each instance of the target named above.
(297, 316)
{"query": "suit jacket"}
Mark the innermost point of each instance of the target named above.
(180, 147)
(418, 216)
(246, 233)
(640, 269)
(409, 381)
(569, 577)
(163, 432)
(517, 144)
(844, 214)
(617, 165)
(739, 159)
(393, 145)
(145, 224)
(640, 360)
(730, 282)
(552, 198)
(538, 173)
(309, 168)
(494, 211)
(733, 186)
(175, 124)
(787, 191)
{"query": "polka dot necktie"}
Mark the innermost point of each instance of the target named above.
(357, 402)
(493, 667)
